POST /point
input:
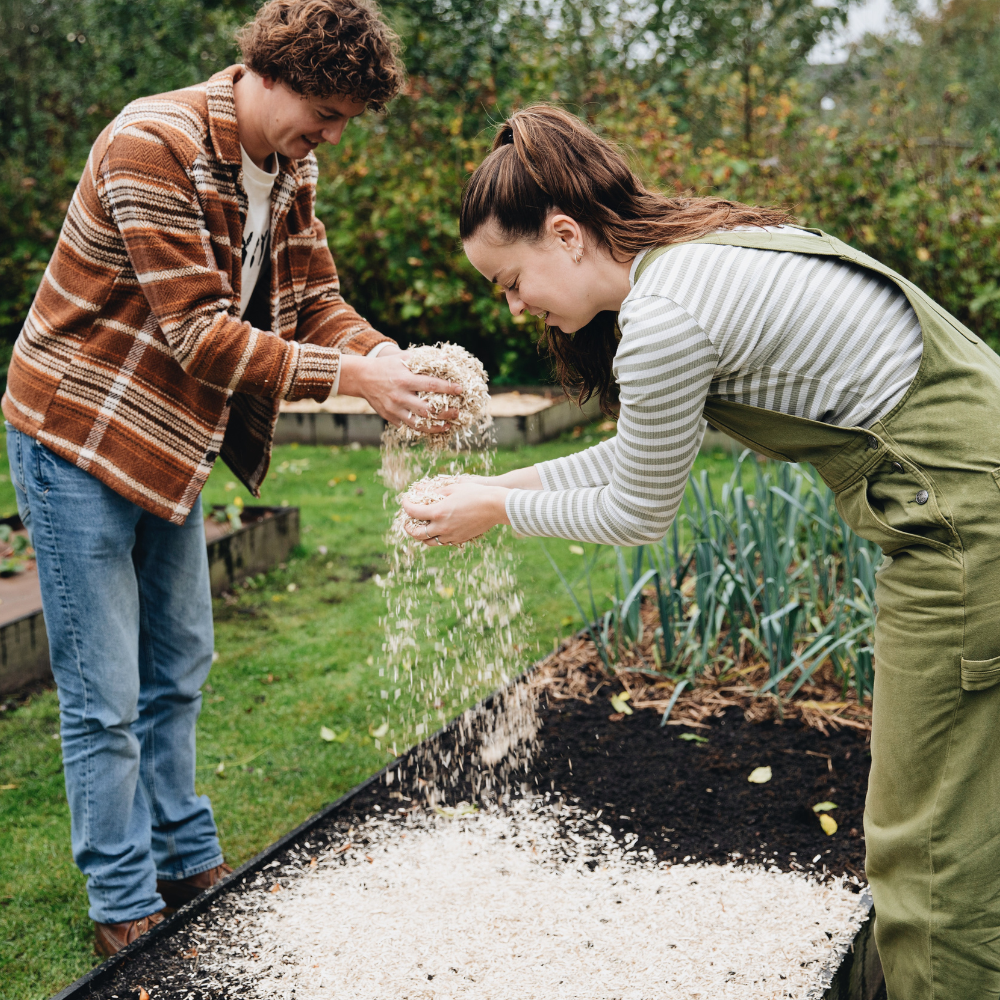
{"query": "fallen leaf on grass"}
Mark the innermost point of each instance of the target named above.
(352, 477)
(327, 734)
(7, 788)
(760, 775)
(822, 807)
(445, 592)
(381, 731)
(618, 702)
(828, 823)
(220, 771)
(692, 738)
(577, 550)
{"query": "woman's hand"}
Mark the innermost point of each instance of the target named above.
(468, 510)
(391, 388)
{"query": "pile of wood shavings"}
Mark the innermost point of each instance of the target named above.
(538, 902)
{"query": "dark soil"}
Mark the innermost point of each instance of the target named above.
(684, 799)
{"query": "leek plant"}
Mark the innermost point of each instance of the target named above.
(770, 567)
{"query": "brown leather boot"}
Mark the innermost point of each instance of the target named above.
(178, 892)
(109, 939)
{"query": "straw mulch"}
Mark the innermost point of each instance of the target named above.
(575, 671)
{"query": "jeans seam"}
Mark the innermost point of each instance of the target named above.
(62, 593)
(147, 752)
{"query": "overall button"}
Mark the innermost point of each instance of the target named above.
(898, 467)
(872, 443)
(922, 497)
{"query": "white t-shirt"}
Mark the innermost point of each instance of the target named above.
(258, 185)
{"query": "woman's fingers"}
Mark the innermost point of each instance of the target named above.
(466, 511)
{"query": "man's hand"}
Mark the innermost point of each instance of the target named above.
(391, 388)
(467, 511)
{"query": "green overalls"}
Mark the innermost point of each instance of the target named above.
(924, 484)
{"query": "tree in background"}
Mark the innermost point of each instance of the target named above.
(706, 96)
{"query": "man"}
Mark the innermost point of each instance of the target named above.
(190, 292)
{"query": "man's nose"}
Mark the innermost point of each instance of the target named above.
(332, 133)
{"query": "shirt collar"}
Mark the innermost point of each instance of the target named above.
(222, 127)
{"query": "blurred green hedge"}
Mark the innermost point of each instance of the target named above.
(896, 169)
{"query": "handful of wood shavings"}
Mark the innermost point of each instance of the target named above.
(452, 364)
(423, 491)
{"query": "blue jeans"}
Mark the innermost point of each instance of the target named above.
(128, 614)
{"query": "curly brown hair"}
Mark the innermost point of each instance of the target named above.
(324, 47)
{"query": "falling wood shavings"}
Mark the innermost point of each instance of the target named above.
(405, 449)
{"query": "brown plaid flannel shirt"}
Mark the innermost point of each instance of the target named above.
(133, 362)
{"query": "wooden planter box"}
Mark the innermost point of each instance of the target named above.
(267, 537)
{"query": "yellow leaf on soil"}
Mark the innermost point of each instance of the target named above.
(828, 823)
(822, 807)
(760, 775)
(618, 702)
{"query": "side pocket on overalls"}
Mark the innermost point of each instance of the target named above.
(977, 675)
(896, 515)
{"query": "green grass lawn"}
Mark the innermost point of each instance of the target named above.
(291, 659)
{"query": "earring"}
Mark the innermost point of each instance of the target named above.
(579, 255)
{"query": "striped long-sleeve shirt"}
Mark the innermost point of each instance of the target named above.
(808, 336)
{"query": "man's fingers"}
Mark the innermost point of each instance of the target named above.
(425, 383)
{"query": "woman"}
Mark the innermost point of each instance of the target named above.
(806, 350)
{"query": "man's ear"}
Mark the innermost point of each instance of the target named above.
(268, 81)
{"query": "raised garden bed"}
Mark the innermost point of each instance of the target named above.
(265, 539)
(608, 798)
(519, 418)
